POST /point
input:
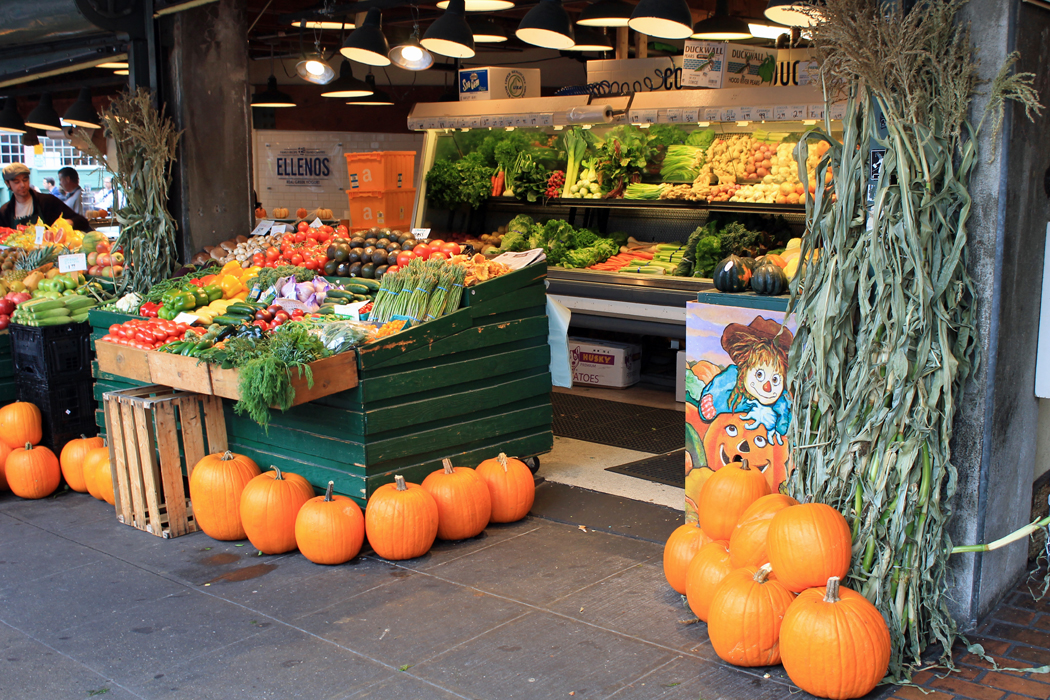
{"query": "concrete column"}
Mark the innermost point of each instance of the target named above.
(206, 93)
(994, 444)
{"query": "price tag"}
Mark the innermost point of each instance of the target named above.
(764, 114)
(279, 228)
(744, 114)
(674, 116)
(815, 112)
(290, 304)
(728, 115)
(40, 234)
(262, 227)
(72, 263)
(691, 116)
(546, 119)
(421, 234)
(791, 112)
(644, 116)
(351, 311)
(711, 114)
(432, 123)
(486, 122)
(184, 317)
(316, 223)
(838, 111)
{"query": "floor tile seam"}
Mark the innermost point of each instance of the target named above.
(477, 636)
(601, 581)
(645, 674)
(357, 693)
(55, 573)
(550, 519)
(101, 675)
(342, 600)
(481, 549)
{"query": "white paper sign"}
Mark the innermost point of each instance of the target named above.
(421, 234)
(711, 114)
(674, 116)
(316, 223)
(72, 263)
(279, 228)
(186, 318)
(351, 311)
(262, 227)
(290, 304)
(729, 114)
(815, 112)
(764, 114)
(516, 261)
(691, 116)
(40, 234)
(744, 114)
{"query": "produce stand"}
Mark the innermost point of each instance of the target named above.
(8, 390)
(466, 386)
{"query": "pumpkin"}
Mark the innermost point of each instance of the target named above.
(330, 529)
(71, 460)
(269, 504)
(747, 610)
(401, 520)
(725, 497)
(731, 275)
(280, 212)
(747, 545)
(706, 571)
(4, 452)
(681, 547)
(216, 484)
(834, 643)
(512, 488)
(769, 279)
(463, 501)
(300, 213)
(749, 263)
(260, 213)
(90, 467)
(729, 439)
(324, 213)
(32, 472)
(773, 258)
(20, 423)
(808, 544)
(104, 479)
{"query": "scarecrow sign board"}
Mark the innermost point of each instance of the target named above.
(736, 406)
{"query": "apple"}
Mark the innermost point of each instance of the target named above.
(107, 271)
(102, 247)
(7, 307)
(19, 297)
(94, 270)
(116, 258)
(92, 258)
(117, 269)
(103, 259)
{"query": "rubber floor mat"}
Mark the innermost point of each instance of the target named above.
(617, 424)
(663, 469)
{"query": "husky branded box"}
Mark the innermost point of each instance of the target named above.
(494, 83)
(604, 362)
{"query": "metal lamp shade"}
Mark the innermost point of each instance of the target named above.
(481, 5)
(313, 68)
(588, 39)
(606, 13)
(547, 25)
(82, 112)
(10, 120)
(721, 28)
(44, 116)
(665, 19)
(487, 32)
(367, 44)
(346, 85)
(271, 96)
(793, 13)
(378, 98)
(450, 34)
(411, 55)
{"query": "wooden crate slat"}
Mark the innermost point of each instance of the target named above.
(192, 432)
(215, 424)
(518, 314)
(383, 350)
(131, 459)
(115, 433)
(151, 480)
(521, 299)
(171, 470)
(473, 338)
(504, 284)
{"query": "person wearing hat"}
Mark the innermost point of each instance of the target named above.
(26, 206)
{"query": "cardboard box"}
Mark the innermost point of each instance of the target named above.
(637, 74)
(604, 362)
(719, 64)
(495, 83)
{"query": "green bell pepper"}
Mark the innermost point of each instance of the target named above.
(200, 296)
(213, 291)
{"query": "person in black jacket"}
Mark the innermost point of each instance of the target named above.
(26, 206)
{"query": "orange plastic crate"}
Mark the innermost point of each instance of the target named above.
(380, 171)
(390, 209)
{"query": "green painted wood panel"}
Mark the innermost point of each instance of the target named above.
(504, 285)
(5, 342)
(8, 392)
(519, 314)
(104, 319)
(416, 337)
(473, 338)
(524, 298)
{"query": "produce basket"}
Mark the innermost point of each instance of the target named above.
(390, 208)
(380, 170)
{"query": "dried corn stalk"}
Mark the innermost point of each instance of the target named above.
(886, 336)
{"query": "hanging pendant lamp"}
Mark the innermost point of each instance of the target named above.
(271, 96)
(547, 25)
(794, 13)
(487, 31)
(606, 13)
(378, 98)
(410, 54)
(10, 120)
(450, 34)
(720, 26)
(665, 19)
(82, 112)
(367, 44)
(591, 39)
(314, 68)
(346, 85)
(481, 5)
(44, 116)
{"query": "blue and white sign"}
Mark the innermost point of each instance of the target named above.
(303, 167)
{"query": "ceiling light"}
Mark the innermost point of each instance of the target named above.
(606, 13)
(346, 85)
(767, 31)
(314, 68)
(122, 71)
(271, 96)
(29, 138)
(82, 112)
(588, 39)
(794, 13)
(665, 19)
(366, 44)
(481, 5)
(322, 24)
(378, 98)
(720, 26)
(450, 34)
(44, 116)
(547, 25)
(487, 31)
(10, 120)
(410, 54)
(113, 64)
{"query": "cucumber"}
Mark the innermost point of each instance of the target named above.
(225, 320)
(372, 285)
(43, 304)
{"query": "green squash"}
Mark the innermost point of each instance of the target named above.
(769, 279)
(731, 275)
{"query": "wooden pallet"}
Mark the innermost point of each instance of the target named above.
(150, 428)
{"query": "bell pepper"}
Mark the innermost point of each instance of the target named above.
(200, 297)
(149, 309)
(209, 280)
(213, 291)
(166, 313)
(183, 301)
(196, 283)
(231, 286)
(231, 268)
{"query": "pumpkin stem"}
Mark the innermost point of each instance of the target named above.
(328, 491)
(502, 459)
(227, 456)
(399, 481)
(447, 464)
(278, 477)
(29, 446)
(831, 593)
(743, 465)
(762, 575)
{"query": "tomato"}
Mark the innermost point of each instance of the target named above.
(310, 265)
(281, 316)
(274, 308)
(115, 329)
(405, 257)
(297, 313)
(303, 227)
(183, 327)
(296, 259)
(300, 237)
(121, 341)
(392, 268)
(438, 255)
(435, 243)
(144, 337)
(158, 334)
(451, 248)
(261, 324)
(422, 251)
(341, 230)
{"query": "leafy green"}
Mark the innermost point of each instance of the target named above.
(701, 139)
(465, 181)
(600, 251)
(708, 254)
(738, 240)
(443, 185)
(664, 135)
(476, 185)
(530, 178)
(621, 157)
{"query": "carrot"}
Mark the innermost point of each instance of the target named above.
(643, 256)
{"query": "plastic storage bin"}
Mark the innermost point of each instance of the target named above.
(67, 408)
(51, 352)
(380, 170)
(389, 209)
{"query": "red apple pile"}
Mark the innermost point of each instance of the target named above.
(104, 263)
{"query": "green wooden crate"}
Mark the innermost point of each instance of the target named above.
(8, 391)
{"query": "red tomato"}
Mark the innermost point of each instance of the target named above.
(451, 248)
(438, 255)
(144, 337)
(183, 327)
(115, 329)
(435, 243)
(310, 264)
(301, 236)
(296, 259)
(303, 227)
(158, 334)
(272, 253)
(261, 324)
(281, 316)
(258, 259)
(274, 308)
(341, 230)
(121, 341)
(393, 268)
(405, 257)
(422, 251)
(297, 313)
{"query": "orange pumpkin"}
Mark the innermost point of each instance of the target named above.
(32, 472)
(92, 460)
(4, 452)
(401, 520)
(808, 544)
(747, 545)
(330, 529)
(728, 439)
(681, 547)
(300, 213)
(512, 488)
(216, 484)
(269, 504)
(747, 610)
(260, 213)
(20, 423)
(776, 260)
(104, 479)
(71, 460)
(463, 501)
(726, 495)
(706, 571)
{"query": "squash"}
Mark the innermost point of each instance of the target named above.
(463, 501)
(280, 212)
(681, 547)
(71, 460)
(104, 479)
(747, 610)
(300, 213)
(749, 263)
(726, 495)
(769, 279)
(511, 488)
(731, 275)
(747, 545)
(32, 472)
(330, 529)
(216, 484)
(774, 258)
(834, 643)
(705, 573)
(808, 544)
(324, 213)
(20, 422)
(269, 504)
(401, 520)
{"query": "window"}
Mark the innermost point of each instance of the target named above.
(11, 149)
(59, 153)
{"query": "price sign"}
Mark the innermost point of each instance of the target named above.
(72, 263)
(711, 114)
(546, 119)
(838, 110)
(475, 122)
(729, 114)
(674, 116)
(815, 112)
(415, 124)
(691, 115)
(351, 311)
(291, 304)
(764, 114)
(432, 123)
(744, 114)
(486, 122)
(262, 227)
(795, 112)
(316, 223)
(279, 228)
(186, 318)
(420, 234)
(40, 230)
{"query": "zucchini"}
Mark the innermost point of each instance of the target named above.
(36, 305)
(372, 285)
(225, 320)
(357, 288)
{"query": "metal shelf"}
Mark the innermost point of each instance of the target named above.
(507, 203)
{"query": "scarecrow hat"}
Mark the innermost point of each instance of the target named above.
(736, 337)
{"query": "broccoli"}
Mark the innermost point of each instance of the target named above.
(708, 255)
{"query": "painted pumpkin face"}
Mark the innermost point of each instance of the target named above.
(729, 440)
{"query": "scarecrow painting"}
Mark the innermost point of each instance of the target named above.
(736, 404)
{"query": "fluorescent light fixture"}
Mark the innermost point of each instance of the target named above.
(123, 71)
(743, 123)
(450, 34)
(606, 13)
(323, 24)
(794, 13)
(118, 65)
(481, 5)
(547, 25)
(664, 19)
(367, 44)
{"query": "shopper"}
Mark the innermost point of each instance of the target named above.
(71, 194)
(50, 186)
(108, 198)
(26, 206)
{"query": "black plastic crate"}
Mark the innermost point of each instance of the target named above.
(51, 352)
(67, 408)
